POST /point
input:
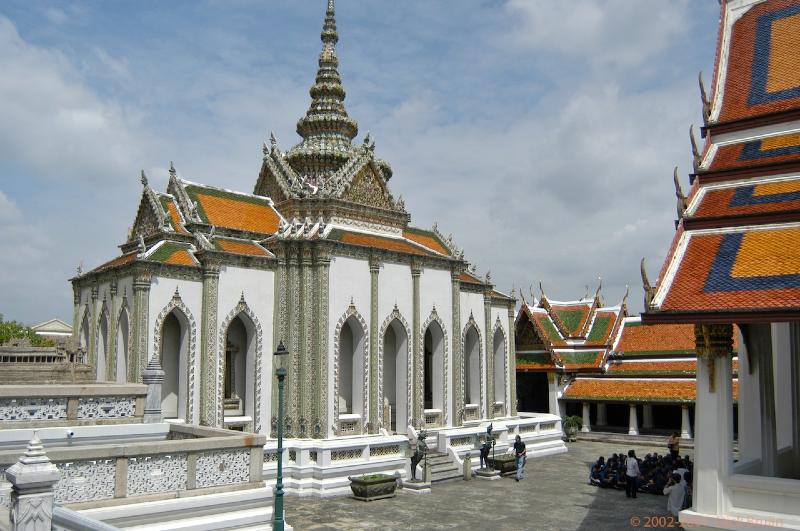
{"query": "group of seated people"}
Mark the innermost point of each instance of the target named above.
(657, 475)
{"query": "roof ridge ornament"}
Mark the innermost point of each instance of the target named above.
(704, 98)
(682, 202)
(696, 156)
(143, 178)
(649, 291)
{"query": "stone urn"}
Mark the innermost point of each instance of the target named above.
(372, 487)
(503, 463)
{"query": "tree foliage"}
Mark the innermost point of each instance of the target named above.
(14, 330)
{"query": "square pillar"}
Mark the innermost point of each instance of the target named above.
(586, 427)
(552, 393)
(713, 446)
(601, 414)
(686, 425)
(633, 421)
(647, 416)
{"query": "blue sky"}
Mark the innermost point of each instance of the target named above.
(542, 134)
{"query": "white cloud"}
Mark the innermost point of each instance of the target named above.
(53, 122)
(600, 32)
(8, 210)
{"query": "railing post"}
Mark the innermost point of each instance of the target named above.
(153, 377)
(32, 479)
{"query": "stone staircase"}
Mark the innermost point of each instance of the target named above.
(443, 468)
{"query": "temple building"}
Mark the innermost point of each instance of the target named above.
(733, 260)
(583, 358)
(389, 330)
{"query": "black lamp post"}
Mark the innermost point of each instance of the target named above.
(278, 521)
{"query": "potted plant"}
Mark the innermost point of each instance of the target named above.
(572, 425)
(371, 487)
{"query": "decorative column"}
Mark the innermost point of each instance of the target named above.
(601, 414)
(586, 424)
(153, 378)
(713, 445)
(306, 337)
(111, 348)
(76, 311)
(686, 426)
(418, 365)
(375, 402)
(140, 325)
(323, 262)
(292, 398)
(458, 353)
(32, 479)
(511, 407)
(91, 348)
(488, 399)
(647, 416)
(633, 421)
(211, 404)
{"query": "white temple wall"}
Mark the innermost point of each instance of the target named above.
(349, 279)
(395, 287)
(501, 313)
(436, 290)
(258, 287)
(160, 295)
(472, 304)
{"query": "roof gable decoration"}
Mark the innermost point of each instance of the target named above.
(150, 217)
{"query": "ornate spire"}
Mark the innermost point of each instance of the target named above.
(326, 128)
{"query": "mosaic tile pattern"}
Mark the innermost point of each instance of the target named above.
(738, 271)
(764, 75)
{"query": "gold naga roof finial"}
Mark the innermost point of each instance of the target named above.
(682, 203)
(649, 291)
(696, 156)
(704, 98)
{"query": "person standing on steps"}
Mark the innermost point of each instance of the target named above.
(519, 453)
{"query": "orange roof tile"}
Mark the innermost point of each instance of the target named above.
(763, 72)
(379, 242)
(175, 217)
(748, 270)
(242, 215)
(654, 339)
(116, 262)
(748, 199)
(469, 278)
(428, 239)
(240, 247)
(636, 390)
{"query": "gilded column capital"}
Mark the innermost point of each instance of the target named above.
(95, 291)
(113, 288)
(211, 269)
(416, 269)
(713, 341)
(76, 294)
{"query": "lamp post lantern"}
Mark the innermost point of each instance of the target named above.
(278, 520)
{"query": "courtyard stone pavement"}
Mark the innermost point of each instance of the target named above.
(555, 495)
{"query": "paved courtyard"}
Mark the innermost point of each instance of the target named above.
(554, 495)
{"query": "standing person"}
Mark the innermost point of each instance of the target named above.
(674, 445)
(676, 493)
(632, 474)
(519, 452)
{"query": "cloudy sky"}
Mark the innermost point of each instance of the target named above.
(542, 134)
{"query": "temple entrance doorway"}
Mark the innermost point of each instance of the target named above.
(434, 369)
(238, 381)
(174, 356)
(395, 379)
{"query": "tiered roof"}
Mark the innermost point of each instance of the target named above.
(646, 363)
(566, 336)
(735, 257)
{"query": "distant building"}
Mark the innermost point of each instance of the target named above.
(583, 358)
(54, 329)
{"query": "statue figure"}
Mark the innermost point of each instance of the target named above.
(419, 453)
(486, 448)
